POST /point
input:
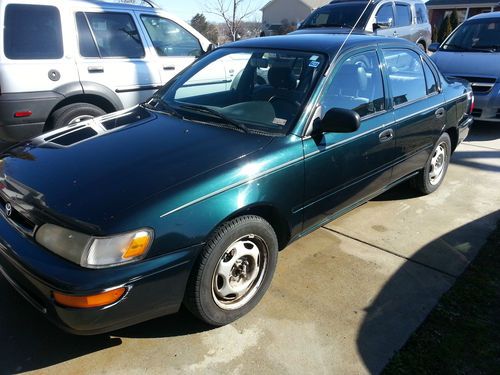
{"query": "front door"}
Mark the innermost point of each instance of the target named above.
(112, 54)
(341, 169)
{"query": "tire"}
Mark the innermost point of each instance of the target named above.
(432, 176)
(233, 271)
(72, 114)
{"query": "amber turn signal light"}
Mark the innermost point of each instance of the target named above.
(94, 300)
(137, 246)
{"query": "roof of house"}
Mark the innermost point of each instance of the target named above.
(432, 3)
(311, 3)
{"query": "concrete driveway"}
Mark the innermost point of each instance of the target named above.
(342, 301)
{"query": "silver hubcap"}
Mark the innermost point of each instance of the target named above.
(79, 119)
(239, 272)
(438, 163)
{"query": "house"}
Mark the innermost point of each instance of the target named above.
(439, 9)
(278, 12)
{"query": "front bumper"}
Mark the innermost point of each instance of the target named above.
(487, 106)
(155, 286)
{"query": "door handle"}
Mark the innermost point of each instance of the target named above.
(386, 135)
(168, 67)
(439, 113)
(95, 69)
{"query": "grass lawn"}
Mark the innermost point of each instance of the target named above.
(462, 333)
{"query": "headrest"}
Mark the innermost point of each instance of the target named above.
(281, 78)
(355, 74)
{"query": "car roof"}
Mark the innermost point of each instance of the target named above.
(138, 5)
(324, 41)
(493, 15)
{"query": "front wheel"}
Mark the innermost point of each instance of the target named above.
(431, 177)
(234, 270)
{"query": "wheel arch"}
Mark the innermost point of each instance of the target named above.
(269, 213)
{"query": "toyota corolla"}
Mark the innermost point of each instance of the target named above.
(188, 197)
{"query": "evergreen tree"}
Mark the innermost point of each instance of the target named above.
(434, 34)
(199, 23)
(454, 19)
(444, 30)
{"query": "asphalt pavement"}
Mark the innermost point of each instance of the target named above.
(343, 299)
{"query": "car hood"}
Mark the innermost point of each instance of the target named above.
(89, 173)
(466, 63)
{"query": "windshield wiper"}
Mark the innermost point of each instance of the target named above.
(220, 115)
(341, 25)
(455, 47)
(486, 48)
(161, 106)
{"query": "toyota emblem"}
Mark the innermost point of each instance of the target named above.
(8, 209)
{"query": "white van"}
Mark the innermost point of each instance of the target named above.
(65, 61)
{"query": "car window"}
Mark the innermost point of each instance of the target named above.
(85, 39)
(115, 34)
(406, 75)
(170, 39)
(357, 85)
(421, 11)
(403, 15)
(263, 89)
(481, 35)
(343, 14)
(430, 79)
(385, 14)
(32, 32)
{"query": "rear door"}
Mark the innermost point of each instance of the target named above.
(344, 168)
(112, 54)
(385, 15)
(418, 108)
(174, 46)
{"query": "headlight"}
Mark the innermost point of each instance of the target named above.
(95, 252)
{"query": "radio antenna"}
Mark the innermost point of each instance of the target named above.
(352, 29)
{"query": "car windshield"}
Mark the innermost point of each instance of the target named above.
(336, 15)
(481, 35)
(249, 90)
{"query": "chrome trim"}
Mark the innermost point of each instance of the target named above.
(242, 182)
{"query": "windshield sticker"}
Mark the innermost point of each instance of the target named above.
(279, 121)
(314, 64)
(314, 58)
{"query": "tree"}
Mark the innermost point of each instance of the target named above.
(233, 12)
(434, 33)
(209, 30)
(444, 30)
(286, 27)
(454, 19)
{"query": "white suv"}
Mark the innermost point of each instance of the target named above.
(66, 61)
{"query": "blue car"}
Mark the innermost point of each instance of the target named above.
(472, 52)
(187, 198)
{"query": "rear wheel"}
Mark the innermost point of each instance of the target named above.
(431, 177)
(234, 270)
(73, 114)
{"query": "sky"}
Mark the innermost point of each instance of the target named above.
(186, 9)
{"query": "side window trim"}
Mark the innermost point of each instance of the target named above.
(93, 37)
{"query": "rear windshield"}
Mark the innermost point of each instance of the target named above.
(32, 32)
(337, 15)
(475, 36)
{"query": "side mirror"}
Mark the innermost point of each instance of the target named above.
(383, 24)
(433, 47)
(340, 120)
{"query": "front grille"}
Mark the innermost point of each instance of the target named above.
(480, 85)
(18, 220)
(476, 112)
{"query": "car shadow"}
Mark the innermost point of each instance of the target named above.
(30, 342)
(482, 131)
(410, 294)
